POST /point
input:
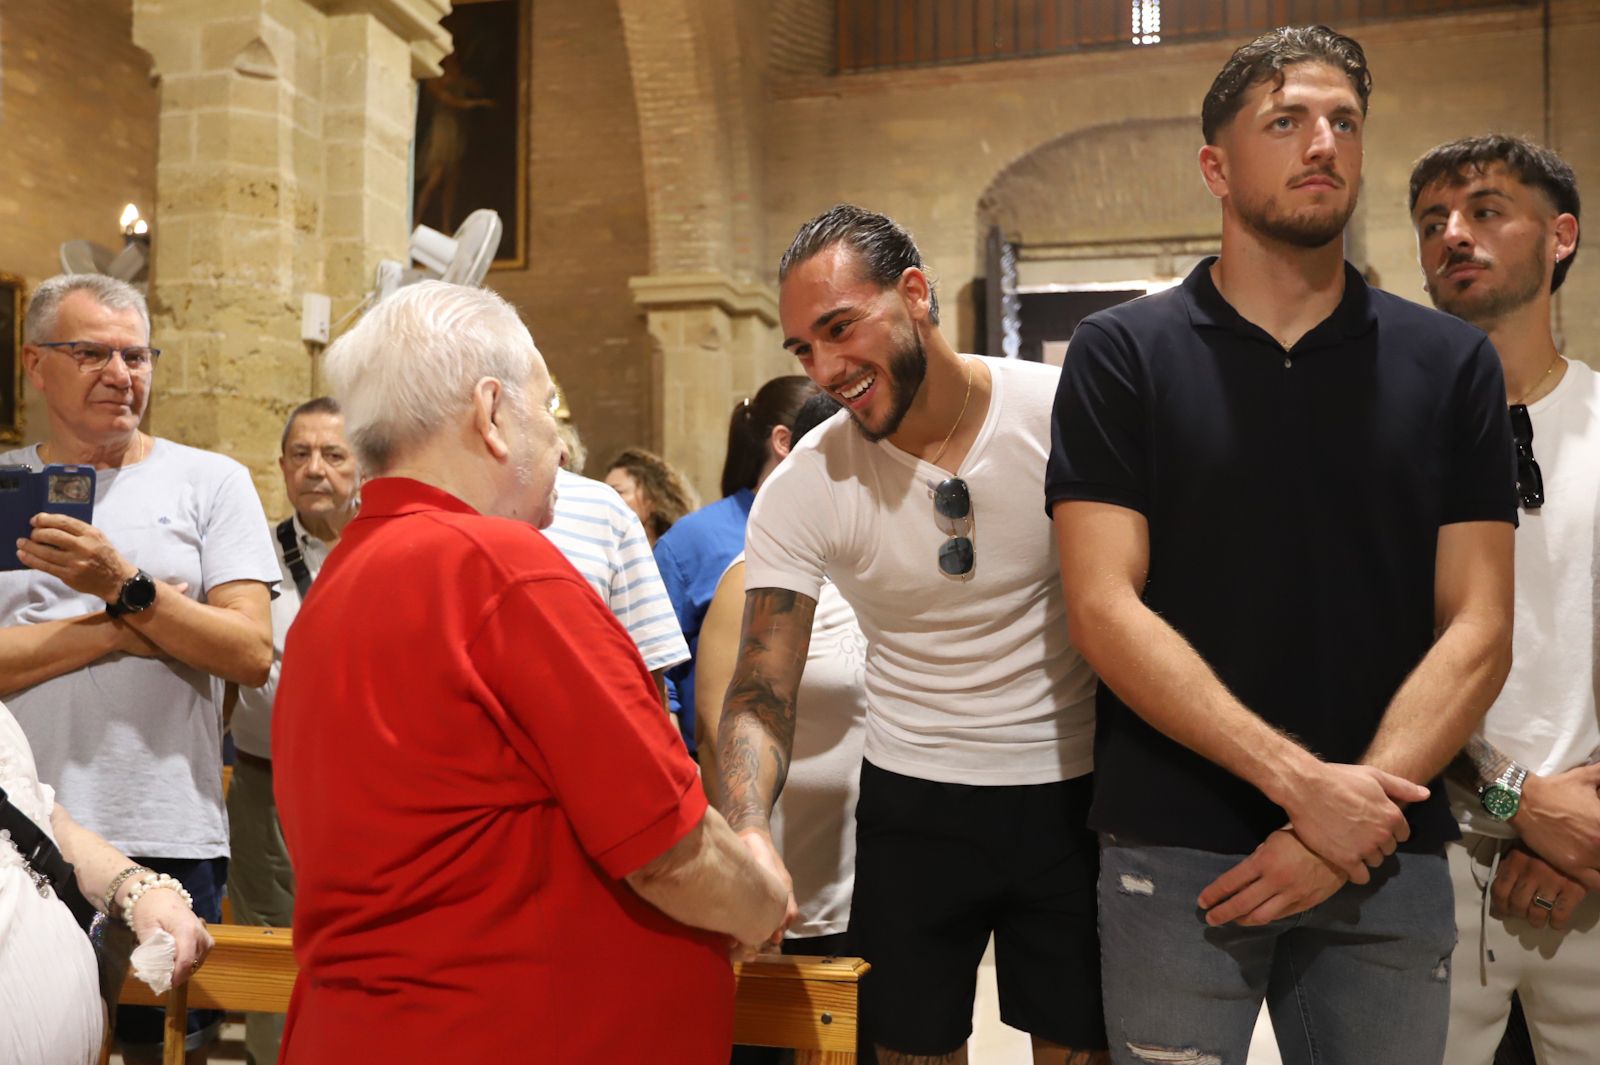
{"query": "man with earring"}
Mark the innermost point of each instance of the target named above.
(1497, 230)
(914, 501)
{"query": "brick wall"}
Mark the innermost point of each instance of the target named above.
(589, 230)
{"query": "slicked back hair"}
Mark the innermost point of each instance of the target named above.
(315, 405)
(1267, 57)
(883, 248)
(1460, 161)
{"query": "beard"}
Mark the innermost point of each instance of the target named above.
(1483, 305)
(907, 367)
(1311, 227)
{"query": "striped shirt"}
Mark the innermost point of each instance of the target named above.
(605, 543)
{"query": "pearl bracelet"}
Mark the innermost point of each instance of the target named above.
(153, 882)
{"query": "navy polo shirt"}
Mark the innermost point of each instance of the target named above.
(1294, 500)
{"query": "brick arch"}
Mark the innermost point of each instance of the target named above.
(1127, 181)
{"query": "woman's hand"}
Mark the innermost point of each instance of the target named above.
(164, 909)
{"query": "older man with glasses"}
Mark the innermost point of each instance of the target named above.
(118, 636)
(917, 504)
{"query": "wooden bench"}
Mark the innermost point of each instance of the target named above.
(805, 1003)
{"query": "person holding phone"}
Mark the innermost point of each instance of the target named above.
(115, 636)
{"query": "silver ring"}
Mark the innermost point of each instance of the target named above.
(1543, 903)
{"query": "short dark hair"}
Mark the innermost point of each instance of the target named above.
(1267, 56)
(884, 249)
(318, 405)
(1536, 166)
(813, 412)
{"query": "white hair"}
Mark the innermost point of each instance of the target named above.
(44, 306)
(412, 362)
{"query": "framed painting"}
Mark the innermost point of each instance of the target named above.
(472, 126)
(13, 299)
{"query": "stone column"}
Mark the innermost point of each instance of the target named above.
(285, 133)
(716, 341)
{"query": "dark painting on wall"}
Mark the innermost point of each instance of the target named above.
(13, 296)
(472, 121)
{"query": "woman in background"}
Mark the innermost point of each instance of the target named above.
(650, 486)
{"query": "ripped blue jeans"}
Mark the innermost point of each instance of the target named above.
(1362, 979)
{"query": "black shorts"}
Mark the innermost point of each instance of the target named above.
(939, 867)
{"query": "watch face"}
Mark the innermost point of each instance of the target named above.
(1500, 802)
(139, 592)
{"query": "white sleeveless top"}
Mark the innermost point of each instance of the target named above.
(50, 1010)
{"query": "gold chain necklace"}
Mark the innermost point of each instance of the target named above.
(965, 399)
(1548, 370)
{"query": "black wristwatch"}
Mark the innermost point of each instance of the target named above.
(138, 592)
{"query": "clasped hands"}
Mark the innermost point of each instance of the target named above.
(1343, 823)
(1557, 859)
(759, 842)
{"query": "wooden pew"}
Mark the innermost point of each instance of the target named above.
(805, 1003)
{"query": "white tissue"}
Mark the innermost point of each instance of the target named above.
(152, 960)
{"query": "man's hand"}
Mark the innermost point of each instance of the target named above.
(1281, 878)
(1559, 820)
(1350, 815)
(77, 554)
(766, 855)
(1522, 877)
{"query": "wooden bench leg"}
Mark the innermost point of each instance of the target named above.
(175, 1025)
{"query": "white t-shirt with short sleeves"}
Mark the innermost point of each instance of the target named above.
(133, 746)
(970, 682)
(1545, 717)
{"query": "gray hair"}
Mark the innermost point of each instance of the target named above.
(39, 324)
(412, 362)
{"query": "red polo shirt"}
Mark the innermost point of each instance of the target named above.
(468, 756)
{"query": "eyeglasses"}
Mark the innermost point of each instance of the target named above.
(93, 357)
(1530, 482)
(952, 504)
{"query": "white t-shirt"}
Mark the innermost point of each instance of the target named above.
(814, 821)
(133, 746)
(1546, 716)
(968, 682)
(602, 538)
(252, 718)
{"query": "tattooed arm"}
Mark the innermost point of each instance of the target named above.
(756, 736)
(1559, 816)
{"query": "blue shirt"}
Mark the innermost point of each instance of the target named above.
(692, 557)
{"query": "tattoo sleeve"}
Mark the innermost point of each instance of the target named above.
(1479, 764)
(756, 736)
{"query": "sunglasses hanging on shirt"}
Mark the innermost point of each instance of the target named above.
(1530, 482)
(952, 506)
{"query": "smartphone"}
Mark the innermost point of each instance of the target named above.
(53, 490)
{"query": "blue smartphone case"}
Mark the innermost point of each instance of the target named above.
(54, 490)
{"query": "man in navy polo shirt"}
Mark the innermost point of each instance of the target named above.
(1284, 504)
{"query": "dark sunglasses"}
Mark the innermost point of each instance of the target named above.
(953, 505)
(1530, 482)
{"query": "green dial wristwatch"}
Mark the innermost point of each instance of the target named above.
(1502, 798)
